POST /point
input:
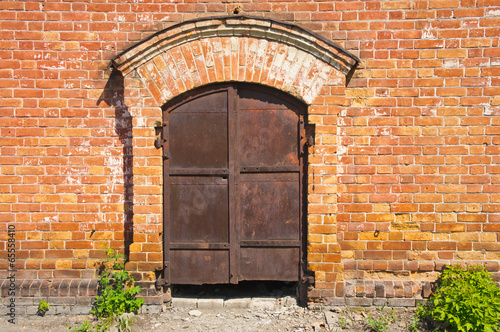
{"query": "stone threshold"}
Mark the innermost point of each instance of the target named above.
(264, 303)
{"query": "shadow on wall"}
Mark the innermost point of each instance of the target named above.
(114, 95)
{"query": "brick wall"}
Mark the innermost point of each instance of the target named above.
(403, 176)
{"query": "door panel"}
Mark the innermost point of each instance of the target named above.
(199, 207)
(269, 264)
(232, 177)
(270, 207)
(208, 102)
(199, 267)
(267, 138)
(258, 97)
(269, 187)
(199, 130)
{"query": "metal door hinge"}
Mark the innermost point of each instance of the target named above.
(163, 280)
(158, 128)
(159, 143)
(308, 280)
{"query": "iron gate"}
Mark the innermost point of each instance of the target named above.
(233, 184)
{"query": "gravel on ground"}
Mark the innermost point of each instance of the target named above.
(294, 319)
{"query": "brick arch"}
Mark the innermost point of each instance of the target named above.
(237, 48)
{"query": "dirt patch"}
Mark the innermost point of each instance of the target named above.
(373, 319)
(295, 319)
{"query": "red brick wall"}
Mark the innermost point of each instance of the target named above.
(403, 179)
(418, 144)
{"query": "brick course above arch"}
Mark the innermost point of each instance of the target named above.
(237, 48)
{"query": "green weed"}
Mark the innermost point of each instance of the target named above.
(43, 305)
(344, 322)
(414, 324)
(118, 293)
(466, 300)
(86, 326)
(381, 324)
(117, 296)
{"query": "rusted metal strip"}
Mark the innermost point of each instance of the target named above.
(234, 253)
(270, 169)
(198, 171)
(270, 243)
(194, 245)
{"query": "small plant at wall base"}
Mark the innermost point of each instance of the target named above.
(117, 296)
(86, 326)
(344, 322)
(414, 324)
(118, 293)
(465, 300)
(382, 323)
(43, 307)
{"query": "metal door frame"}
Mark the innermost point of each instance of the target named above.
(233, 175)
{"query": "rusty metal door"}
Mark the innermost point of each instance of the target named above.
(233, 203)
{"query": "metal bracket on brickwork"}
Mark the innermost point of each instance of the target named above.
(310, 133)
(306, 285)
(308, 280)
(162, 281)
(159, 140)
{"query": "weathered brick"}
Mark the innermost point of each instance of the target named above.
(402, 170)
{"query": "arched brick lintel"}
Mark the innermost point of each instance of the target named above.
(237, 48)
